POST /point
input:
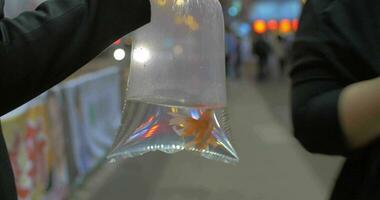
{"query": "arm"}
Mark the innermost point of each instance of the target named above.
(315, 101)
(330, 116)
(41, 48)
(359, 110)
(332, 119)
(315, 90)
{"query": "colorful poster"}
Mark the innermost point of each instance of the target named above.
(79, 142)
(59, 173)
(28, 141)
(61, 135)
(94, 113)
(100, 103)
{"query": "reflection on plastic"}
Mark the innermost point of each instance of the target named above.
(141, 54)
(170, 129)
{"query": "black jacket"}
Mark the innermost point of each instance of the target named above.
(338, 44)
(41, 48)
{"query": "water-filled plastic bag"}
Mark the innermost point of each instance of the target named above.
(176, 97)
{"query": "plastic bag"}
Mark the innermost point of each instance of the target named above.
(176, 96)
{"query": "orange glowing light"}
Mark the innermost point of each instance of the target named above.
(152, 131)
(295, 24)
(285, 26)
(272, 25)
(259, 26)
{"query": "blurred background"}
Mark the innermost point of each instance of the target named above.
(58, 142)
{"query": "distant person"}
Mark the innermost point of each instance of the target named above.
(279, 50)
(227, 53)
(41, 48)
(336, 90)
(239, 55)
(262, 49)
(231, 54)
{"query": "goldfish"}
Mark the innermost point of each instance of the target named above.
(199, 129)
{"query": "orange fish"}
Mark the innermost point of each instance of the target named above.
(199, 129)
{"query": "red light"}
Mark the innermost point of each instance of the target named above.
(272, 25)
(259, 26)
(285, 26)
(295, 24)
(117, 42)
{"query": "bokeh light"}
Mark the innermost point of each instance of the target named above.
(272, 25)
(141, 55)
(295, 24)
(285, 26)
(259, 26)
(119, 54)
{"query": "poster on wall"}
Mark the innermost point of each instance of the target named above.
(79, 142)
(34, 138)
(94, 113)
(100, 103)
(58, 137)
(28, 141)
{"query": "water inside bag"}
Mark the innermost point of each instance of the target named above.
(148, 127)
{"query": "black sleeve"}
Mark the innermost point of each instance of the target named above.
(316, 89)
(41, 48)
(315, 114)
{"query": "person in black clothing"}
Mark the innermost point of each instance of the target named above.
(41, 48)
(262, 49)
(336, 90)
